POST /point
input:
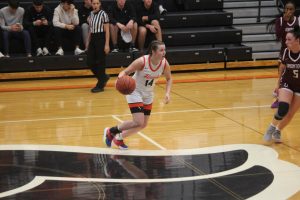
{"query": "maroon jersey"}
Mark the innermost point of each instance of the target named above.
(290, 78)
(282, 27)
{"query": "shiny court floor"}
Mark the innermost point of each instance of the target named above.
(206, 144)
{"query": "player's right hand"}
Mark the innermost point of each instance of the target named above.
(122, 73)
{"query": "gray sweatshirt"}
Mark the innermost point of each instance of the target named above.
(61, 18)
(7, 18)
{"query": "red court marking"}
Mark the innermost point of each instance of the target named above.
(159, 82)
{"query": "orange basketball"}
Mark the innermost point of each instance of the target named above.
(125, 85)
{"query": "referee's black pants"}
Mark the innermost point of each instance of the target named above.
(96, 58)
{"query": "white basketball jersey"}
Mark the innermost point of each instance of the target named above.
(146, 78)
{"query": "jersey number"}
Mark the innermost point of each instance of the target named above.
(296, 73)
(149, 82)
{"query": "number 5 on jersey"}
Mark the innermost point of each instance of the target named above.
(296, 73)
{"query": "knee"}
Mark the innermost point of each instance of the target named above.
(143, 125)
(142, 31)
(85, 27)
(26, 34)
(138, 123)
(155, 23)
(282, 111)
(113, 28)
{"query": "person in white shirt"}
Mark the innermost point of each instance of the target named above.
(11, 21)
(66, 24)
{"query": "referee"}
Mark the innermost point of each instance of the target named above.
(98, 45)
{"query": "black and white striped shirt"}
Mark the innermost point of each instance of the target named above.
(97, 21)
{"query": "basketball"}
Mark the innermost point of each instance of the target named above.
(125, 85)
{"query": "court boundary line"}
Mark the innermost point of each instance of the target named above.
(214, 79)
(128, 114)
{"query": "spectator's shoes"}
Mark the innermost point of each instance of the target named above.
(60, 52)
(39, 52)
(107, 137)
(133, 49)
(46, 52)
(162, 10)
(120, 144)
(1, 55)
(78, 52)
(115, 51)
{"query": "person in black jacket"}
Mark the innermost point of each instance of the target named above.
(38, 21)
(83, 13)
(122, 18)
(147, 19)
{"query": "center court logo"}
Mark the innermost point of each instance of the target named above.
(235, 171)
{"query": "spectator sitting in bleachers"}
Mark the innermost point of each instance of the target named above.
(147, 18)
(66, 24)
(11, 19)
(38, 21)
(122, 17)
(84, 11)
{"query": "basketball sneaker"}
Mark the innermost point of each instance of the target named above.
(133, 49)
(270, 131)
(115, 50)
(60, 52)
(277, 136)
(107, 137)
(78, 51)
(39, 52)
(46, 52)
(120, 144)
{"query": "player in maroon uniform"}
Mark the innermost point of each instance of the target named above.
(283, 25)
(288, 86)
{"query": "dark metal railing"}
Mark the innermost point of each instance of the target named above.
(259, 11)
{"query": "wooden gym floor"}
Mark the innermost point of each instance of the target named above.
(206, 144)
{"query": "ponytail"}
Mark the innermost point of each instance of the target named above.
(296, 32)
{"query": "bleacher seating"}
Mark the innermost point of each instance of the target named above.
(200, 33)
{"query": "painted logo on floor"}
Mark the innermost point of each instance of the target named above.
(243, 171)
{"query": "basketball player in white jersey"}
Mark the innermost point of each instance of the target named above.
(289, 87)
(146, 69)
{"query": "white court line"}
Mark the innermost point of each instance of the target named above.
(152, 113)
(143, 135)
